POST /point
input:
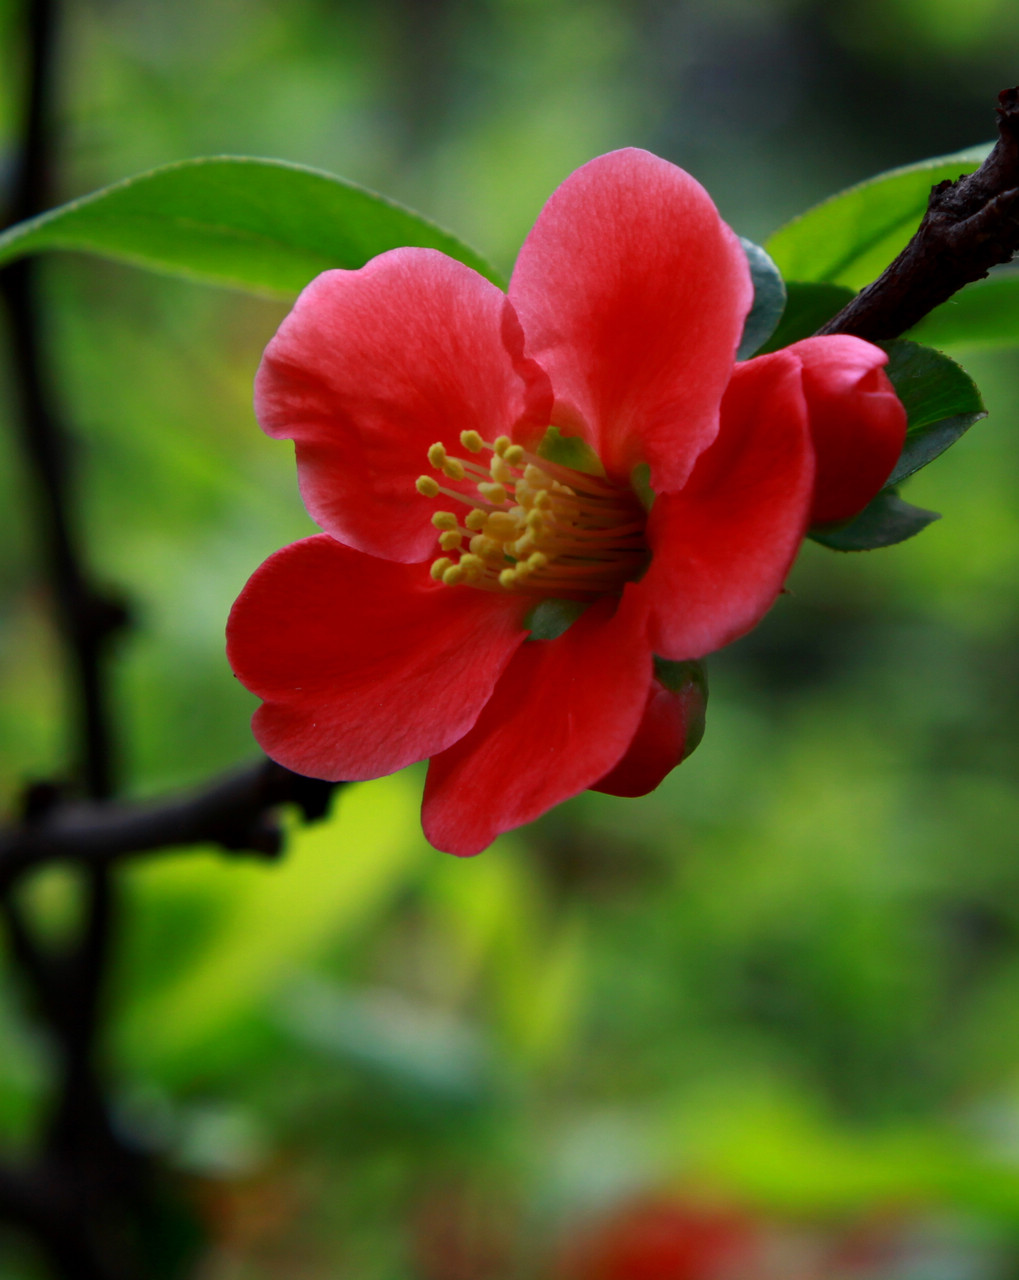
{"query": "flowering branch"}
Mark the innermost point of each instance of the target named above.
(970, 226)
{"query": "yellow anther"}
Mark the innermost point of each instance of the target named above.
(536, 477)
(471, 440)
(523, 546)
(495, 493)
(501, 524)
(502, 443)
(472, 564)
(440, 566)
(453, 468)
(454, 575)
(537, 560)
(482, 545)
(514, 455)
(476, 519)
(437, 455)
(508, 578)
(444, 520)
(535, 520)
(451, 540)
(426, 486)
(500, 471)
(542, 500)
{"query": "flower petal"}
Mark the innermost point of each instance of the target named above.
(373, 366)
(857, 422)
(364, 665)
(632, 292)
(722, 546)
(670, 730)
(561, 716)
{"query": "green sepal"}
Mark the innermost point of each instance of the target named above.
(690, 681)
(769, 300)
(884, 521)
(549, 619)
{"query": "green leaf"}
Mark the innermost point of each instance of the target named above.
(769, 300)
(850, 238)
(985, 314)
(258, 225)
(882, 523)
(808, 306)
(941, 401)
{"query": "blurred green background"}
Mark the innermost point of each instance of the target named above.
(782, 992)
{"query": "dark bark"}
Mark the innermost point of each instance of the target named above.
(970, 226)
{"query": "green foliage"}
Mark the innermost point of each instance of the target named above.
(259, 225)
(941, 401)
(985, 314)
(885, 521)
(850, 238)
(808, 306)
(769, 300)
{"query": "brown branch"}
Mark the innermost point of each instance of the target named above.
(970, 226)
(234, 812)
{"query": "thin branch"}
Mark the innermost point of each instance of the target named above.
(234, 812)
(970, 226)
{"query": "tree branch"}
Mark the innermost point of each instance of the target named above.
(970, 226)
(234, 812)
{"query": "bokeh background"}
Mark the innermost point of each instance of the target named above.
(761, 1024)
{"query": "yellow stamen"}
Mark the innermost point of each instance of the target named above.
(541, 529)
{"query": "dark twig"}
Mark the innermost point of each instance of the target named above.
(234, 812)
(970, 226)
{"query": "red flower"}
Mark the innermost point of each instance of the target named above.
(402, 631)
(666, 1240)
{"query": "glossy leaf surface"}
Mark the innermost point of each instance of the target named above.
(850, 238)
(259, 225)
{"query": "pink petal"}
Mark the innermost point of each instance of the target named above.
(563, 713)
(671, 728)
(721, 548)
(364, 665)
(857, 422)
(632, 292)
(373, 366)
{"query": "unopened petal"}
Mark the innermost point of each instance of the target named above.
(857, 422)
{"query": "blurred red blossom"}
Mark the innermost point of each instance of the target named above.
(527, 613)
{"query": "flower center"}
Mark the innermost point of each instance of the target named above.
(531, 525)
